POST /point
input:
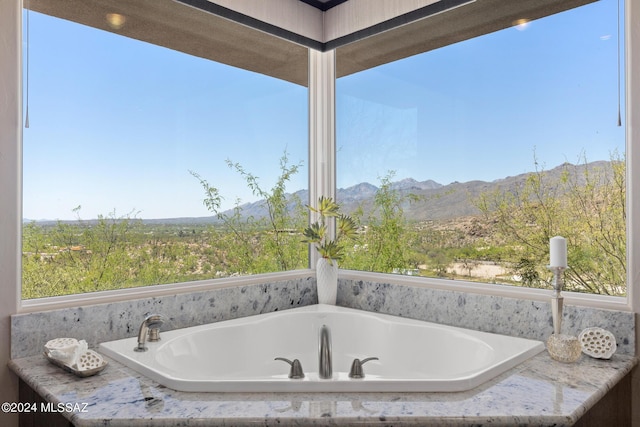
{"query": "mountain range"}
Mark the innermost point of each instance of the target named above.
(434, 201)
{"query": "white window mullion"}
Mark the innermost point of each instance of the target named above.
(632, 61)
(322, 131)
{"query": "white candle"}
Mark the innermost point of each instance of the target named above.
(558, 252)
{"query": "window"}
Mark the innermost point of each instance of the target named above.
(462, 162)
(144, 165)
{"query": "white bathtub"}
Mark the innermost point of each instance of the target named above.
(238, 355)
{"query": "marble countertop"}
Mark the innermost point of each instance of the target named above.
(540, 391)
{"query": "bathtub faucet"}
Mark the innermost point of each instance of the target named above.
(150, 327)
(325, 366)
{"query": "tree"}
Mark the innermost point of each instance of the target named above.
(78, 257)
(585, 203)
(251, 245)
(386, 241)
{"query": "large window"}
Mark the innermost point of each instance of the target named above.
(461, 163)
(145, 165)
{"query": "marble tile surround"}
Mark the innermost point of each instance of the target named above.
(502, 315)
(510, 316)
(112, 321)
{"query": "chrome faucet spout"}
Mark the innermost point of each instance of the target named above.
(325, 366)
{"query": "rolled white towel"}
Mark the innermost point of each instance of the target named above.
(66, 350)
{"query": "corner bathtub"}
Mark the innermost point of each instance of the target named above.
(238, 355)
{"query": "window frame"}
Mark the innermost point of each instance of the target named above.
(326, 102)
(624, 303)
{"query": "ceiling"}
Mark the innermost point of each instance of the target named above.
(250, 43)
(323, 5)
(343, 21)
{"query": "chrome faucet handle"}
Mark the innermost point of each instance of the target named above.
(154, 321)
(149, 329)
(296, 372)
(356, 367)
(154, 334)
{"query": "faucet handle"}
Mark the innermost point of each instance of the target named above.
(154, 334)
(149, 331)
(296, 368)
(154, 321)
(356, 367)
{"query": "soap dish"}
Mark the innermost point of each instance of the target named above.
(89, 363)
(598, 343)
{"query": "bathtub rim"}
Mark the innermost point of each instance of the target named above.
(339, 383)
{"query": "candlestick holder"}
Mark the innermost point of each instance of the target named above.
(563, 348)
(557, 299)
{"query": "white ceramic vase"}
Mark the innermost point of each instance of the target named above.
(327, 281)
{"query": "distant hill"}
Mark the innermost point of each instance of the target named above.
(436, 201)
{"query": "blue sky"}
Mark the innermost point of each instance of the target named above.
(484, 108)
(116, 125)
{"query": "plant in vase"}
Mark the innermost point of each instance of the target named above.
(331, 250)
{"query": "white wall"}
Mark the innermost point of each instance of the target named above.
(10, 135)
(633, 157)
